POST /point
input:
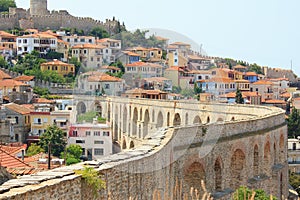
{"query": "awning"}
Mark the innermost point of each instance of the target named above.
(61, 120)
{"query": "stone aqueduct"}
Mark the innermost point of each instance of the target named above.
(172, 145)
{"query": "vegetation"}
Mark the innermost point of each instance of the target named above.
(73, 153)
(54, 137)
(6, 4)
(73, 31)
(3, 63)
(34, 149)
(294, 180)
(99, 32)
(77, 64)
(293, 122)
(92, 178)
(255, 68)
(244, 193)
(118, 64)
(239, 97)
(41, 91)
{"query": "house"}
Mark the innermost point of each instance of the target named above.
(42, 43)
(240, 68)
(6, 53)
(128, 57)
(95, 139)
(6, 135)
(8, 41)
(249, 98)
(61, 118)
(63, 48)
(279, 86)
(112, 50)
(251, 76)
(21, 121)
(109, 69)
(9, 85)
(141, 51)
(197, 62)
(141, 93)
(198, 75)
(97, 82)
(75, 40)
(177, 55)
(61, 68)
(4, 75)
(90, 55)
(174, 73)
(155, 55)
(263, 87)
(28, 80)
(243, 85)
(157, 83)
(294, 155)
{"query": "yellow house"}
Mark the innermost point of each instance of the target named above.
(39, 122)
(8, 40)
(59, 67)
(176, 57)
(155, 54)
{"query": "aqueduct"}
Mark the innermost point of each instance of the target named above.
(172, 145)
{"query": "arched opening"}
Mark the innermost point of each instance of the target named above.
(255, 161)
(237, 165)
(218, 175)
(281, 147)
(267, 158)
(124, 146)
(125, 121)
(232, 118)
(168, 119)
(98, 108)
(160, 120)
(146, 123)
(116, 147)
(81, 108)
(140, 131)
(197, 120)
(186, 119)
(134, 122)
(177, 120)
(208, 120)
(131, 145)
(193, 176)
(153, 115)
(141, 114)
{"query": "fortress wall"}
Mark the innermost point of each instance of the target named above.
(8, 22)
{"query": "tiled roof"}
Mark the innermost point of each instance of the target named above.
(244, 94)
(56, 63)
(88, 46)
(218, 80)
(42, 100)
(110, 67)
(156, 79)
(29, 106)
(263, 82)
(129, 53)
(13, 148)
(274, 101)
(24, 78)
(172, 47)
(5, 34)
(174, 68)
(242, 81)
(11, 83)
(4, 75)
(180, 43)
(103, 78)
(143, 64)
(251, 74)
(23, 170)
(196, 57)
(142, 91)
(9, 161)
(17, 108)
(239, 67)
(161, 38)
(38, 35)
(285, 95)
(199, 72)
(103, 40)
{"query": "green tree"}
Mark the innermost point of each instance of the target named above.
(239, 97)
(197, 89)
(3, 63)
(244, 193)
(73, 153)
(34, 149)
(293, 122)
(54, 137)
(255, 68)
(6, 4)
(77, 64)
(294, 180)
(99, 32)
(41, 91)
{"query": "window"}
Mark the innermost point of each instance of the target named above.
(37, 120)
(213, 73)
(84, 51)
(45, 120)
(83, 151)
(68, 40)
(175, 60)
(82, 40)
(92, 59)
(97, 133)
(75, 40)
(98, 142)
(88, 133)
(98, 152)
(74, 133)
(25, 41)
(19, 41)
(90, 41)
(294, 146)
(105, 133)
(106, 86)
(80, 141)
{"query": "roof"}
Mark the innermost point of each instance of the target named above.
(56, 62)
(6, 34)
(285, 95)
(156, 79)
(161, 38)
(218, 80)
(103, 40)
(110, 67)
(172, 47)
(11, 83)
(251, 74)
(263, 82)
(10, 161)
(239, 67)
(274, 101)
(174, 68)
(39, 35)
(180, 44)
(129, 53)
(143, 64)
(244, 94)
(88, 46)
(42, 100)
(4, 75)
(17, 108)
(137, 49)
(142, 91)
(242, 81)
(103, 77)
(196, 57)
(199, 72)
(24, 78)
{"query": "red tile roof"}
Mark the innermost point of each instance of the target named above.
(110, 67)
(6, 35)
(11, 83)
(24, 78)
(42, 100)
(17, 108)
(263, 82)
(56, 63)
(143, 64)
(251, 74)
(104, 78)
(88, 46)
(4, 75)
(10, 161)
(274, 101)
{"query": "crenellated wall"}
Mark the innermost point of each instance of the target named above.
(249, 150)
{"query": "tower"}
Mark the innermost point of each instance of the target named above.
(38, 7)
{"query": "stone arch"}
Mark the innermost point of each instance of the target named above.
(208, 119)
(177, 120)
(186, 119)
(160, 120)
(238, 161)
(81, 108)
(134, 122)
(141, 114)
(124, 145)
(168, 119)
(125, 121)
(218, 174)
(131, 145)
(146, 123)
(267, 157)
(153, 115)
(116, 147)
(197, 120)
(255, 160)
(193, 175)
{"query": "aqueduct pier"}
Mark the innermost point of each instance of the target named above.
(168, 147)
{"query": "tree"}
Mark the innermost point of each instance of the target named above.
(34, 149)
(244, 193)
(54, 137)
(197, 89)
(239, 97)
(255, 68)
(99, 32)
(294, 180)
(41, 91)
(77, 64)
(3, 63)
(6, 4)
(73, 153)
(293, 122)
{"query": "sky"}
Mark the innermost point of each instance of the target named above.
(265, 32)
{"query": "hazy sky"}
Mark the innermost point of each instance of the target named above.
(263, 31)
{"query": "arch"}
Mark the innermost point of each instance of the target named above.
(267, 157)
(208, 119)
(197, 120)
(146, 123)
(237, 165)
(218, 174)
(186, 119)
(160, 120)
(153, 115)
(141, 114)
(232, 118)
(168, 119)
(124, 145)
(125, 121)
(131, 145)
(81, 108)
(255, 160)
(177, 120)
(193, 176)
(134, 122)
(116, 147)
